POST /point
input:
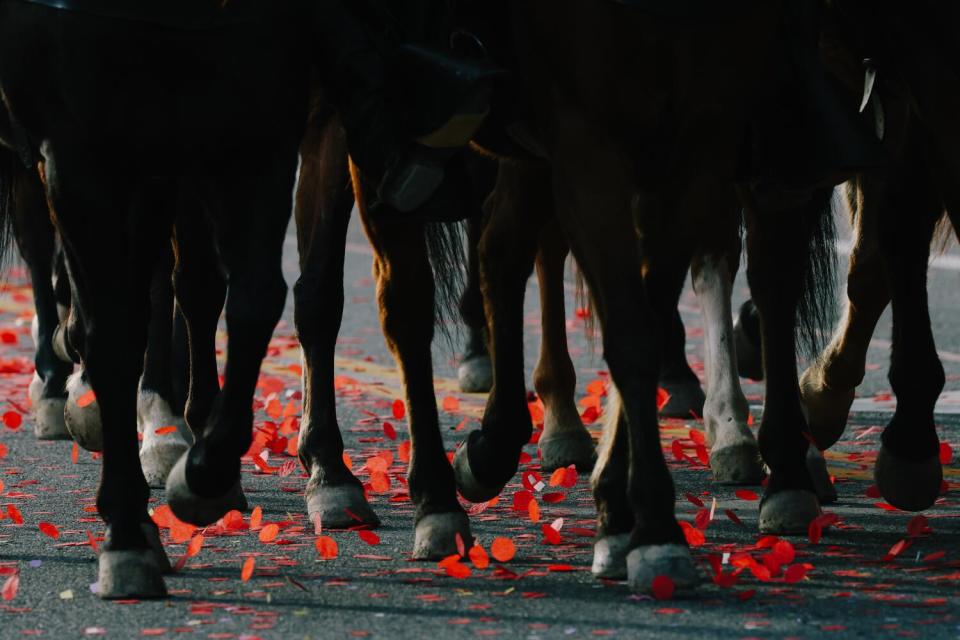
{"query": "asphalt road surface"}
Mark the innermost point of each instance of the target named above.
(845, 586)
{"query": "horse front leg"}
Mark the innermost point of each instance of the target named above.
(405, 292)
(517, 209)
(323, 204)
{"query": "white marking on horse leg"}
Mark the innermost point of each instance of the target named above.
(160, 451)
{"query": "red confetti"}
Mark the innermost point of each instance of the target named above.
(451, 404)
(48, 529)
(946, 453)
(75, 453)
(326, 547)
(196, 544)
(662, 588)
(731, 514)
(747, 494)
(247, 570)
(12, 420)
(369, 537)
(479, 557)
(86, 399)
(399, 409)
(269, 532)
(389, 431)
(14, 514)
(663, 397)
(10, 587)
(503, 549)
(162, 431)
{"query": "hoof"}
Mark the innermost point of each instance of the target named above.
(686, 399)
(671, 560)
(83, 423)
(788, 512)
(738, 463)
(152, 534)
(334, 504)
(468, 485)
(568, 448)
(435, 536)
(817, 466)
(827, 409)
(129, 574)
(610, 557)
(908, 485)
(475, 374)
(48, 420)
(198, 510)
(747, 345)
(158, 453)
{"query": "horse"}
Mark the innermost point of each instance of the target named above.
(212, 112)
(636, 170)
(894, 214)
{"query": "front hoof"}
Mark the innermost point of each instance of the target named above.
(827, 409)
(908, 485)
(48, 421)
(686, 399)
(822, 485)
(340, 506)
(568, 448)
(83, 423)
(737, 464)
(646, 563)
(435, 535)
(158, 458)
(130, 574)
(475, 374)
(468, 485)
(788, 512)
(610, 557)
(198, 510)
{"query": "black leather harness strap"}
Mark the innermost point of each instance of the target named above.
(175, 14)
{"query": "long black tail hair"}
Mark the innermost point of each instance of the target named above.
(817, 307)
(10, 169)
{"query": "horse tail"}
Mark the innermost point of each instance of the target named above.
(446, 250)
(816, 311)
(10, 171)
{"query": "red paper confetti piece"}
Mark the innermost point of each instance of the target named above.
(746, 494)
(663, 397)
(389, 431)
(403, 451)
(533, 510)
(269, 532)
(12, 420)
(162, 431)
(399, 409)
(247, 570)
(86, 399)
(50, 530)
(478, 557)
(14, 514)
(75, 453)
(369, 537)
(256, 517)
(503, 549)
(11, 587)
(946, 453)
(662, 588)
(326, 547)
(196, 544)
(451, 404)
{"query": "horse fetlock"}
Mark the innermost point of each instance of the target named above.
(200, 510)
(827, 407)
(82, 413)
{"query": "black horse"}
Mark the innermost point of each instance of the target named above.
(136, 125)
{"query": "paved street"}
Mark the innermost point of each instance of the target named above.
(858, 581)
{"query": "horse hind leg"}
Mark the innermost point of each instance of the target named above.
(475, 373)
(686, 396)
(324, 201)
(36, 240)
(564, 441)
(165, 436)
(734, 454)
(827, 386)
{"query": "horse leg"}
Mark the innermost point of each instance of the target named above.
(405, 292)
(517, 209)
(734, 455)
(323, 204)
(686, 396)
(110, 293)
(161, 446)
(593, 189)
(251, 204)
(475, 373)
(36, 240)
(564, 441)
(778, 255)
(908, 472)
(828, 385)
